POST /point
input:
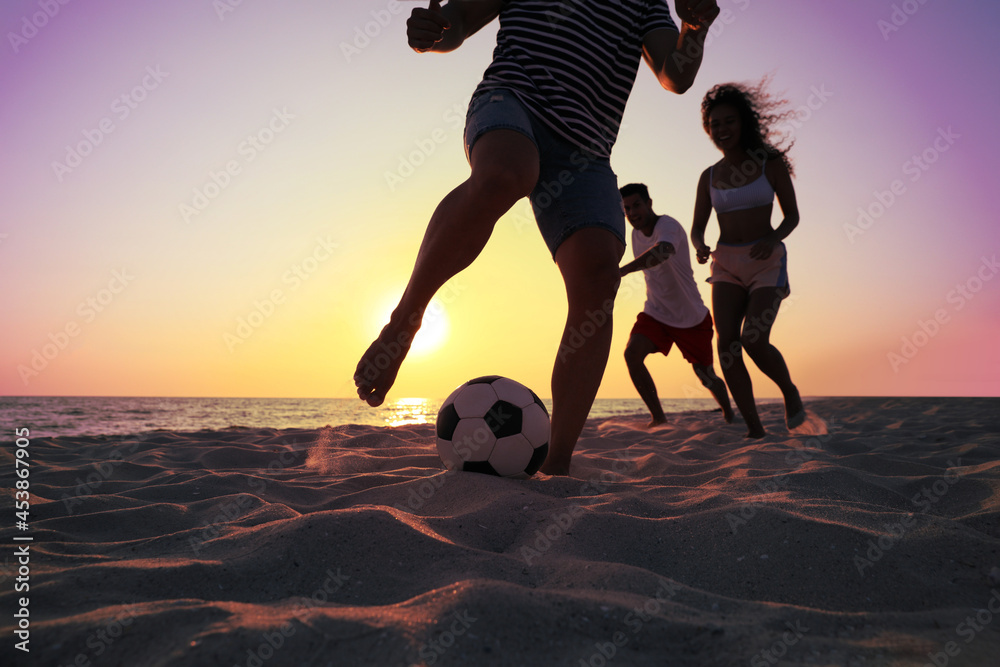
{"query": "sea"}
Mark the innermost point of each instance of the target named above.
(50, 416)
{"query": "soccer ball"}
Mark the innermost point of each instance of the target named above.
(493, 425)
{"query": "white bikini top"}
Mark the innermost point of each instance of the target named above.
(751, 195)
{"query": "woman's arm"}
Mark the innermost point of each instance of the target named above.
(781, 181)
(702, 212)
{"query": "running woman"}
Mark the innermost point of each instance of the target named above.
(749, 265)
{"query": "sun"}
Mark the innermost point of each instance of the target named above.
(433, 330)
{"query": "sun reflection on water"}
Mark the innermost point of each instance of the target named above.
(410, 411)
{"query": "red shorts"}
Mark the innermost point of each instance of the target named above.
(695, 343)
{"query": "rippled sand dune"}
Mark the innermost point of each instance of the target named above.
(870, 536)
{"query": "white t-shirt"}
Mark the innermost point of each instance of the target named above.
(672, 296)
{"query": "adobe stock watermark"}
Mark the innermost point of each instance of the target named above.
(103, 471)
(817, 99)
(635, 621)
(693, 51)
(899, 16)
(561, 523)
(231, 510)
(753, 329)
(772, 654)
(546, 193)
(33, 23)
(622, 469)
(795, 459)
(958, 298)
(726, 17)
(247, 151)
(121, 108)
(968, 630)
(393, 350)
(264, 309)
(363, 35)
(915, 167)
(466, 446)
(924, 501)
(99, 641)
(88, 311)
(575, 337)
(275, 639)
(426, 146)
(748, 169)
(566, 9)
(225, 7)
(431, 651)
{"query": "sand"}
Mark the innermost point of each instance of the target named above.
(870, 536)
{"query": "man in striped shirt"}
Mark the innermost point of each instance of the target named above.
(542, 124)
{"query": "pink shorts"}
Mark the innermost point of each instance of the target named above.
(733, 264)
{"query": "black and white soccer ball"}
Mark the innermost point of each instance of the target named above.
(493, 425)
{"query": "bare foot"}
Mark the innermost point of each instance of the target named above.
(555, 466)
(656, 421)
(727, 414)
(795, 412)
(755, 429)
(376, 372)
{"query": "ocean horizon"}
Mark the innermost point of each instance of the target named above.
(52, 416)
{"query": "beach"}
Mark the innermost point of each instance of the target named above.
(868, 536)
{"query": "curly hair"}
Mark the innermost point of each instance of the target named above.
(759, 111)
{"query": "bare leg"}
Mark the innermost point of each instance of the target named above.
(636, 351)
(714, 384)
(762, 310)
(729, 304)
(588, 261)
(504, 169)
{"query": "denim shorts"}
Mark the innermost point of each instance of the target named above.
(575, 188)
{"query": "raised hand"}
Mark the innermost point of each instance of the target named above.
(426, 27)
(697, 13)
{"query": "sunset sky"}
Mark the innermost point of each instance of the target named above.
(226, 198)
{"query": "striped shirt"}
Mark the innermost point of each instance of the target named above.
(572, 63)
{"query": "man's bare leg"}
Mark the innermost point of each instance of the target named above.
(762, 310)
(588, 261)
(504, 169)
(729, 306)
(714, 384)
(638, 348)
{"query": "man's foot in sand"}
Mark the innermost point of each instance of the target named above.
(656, 421)
(795, 412)
(727, 413)
(755, 429)
(376, 372)
(555, 471)
(552, 466)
